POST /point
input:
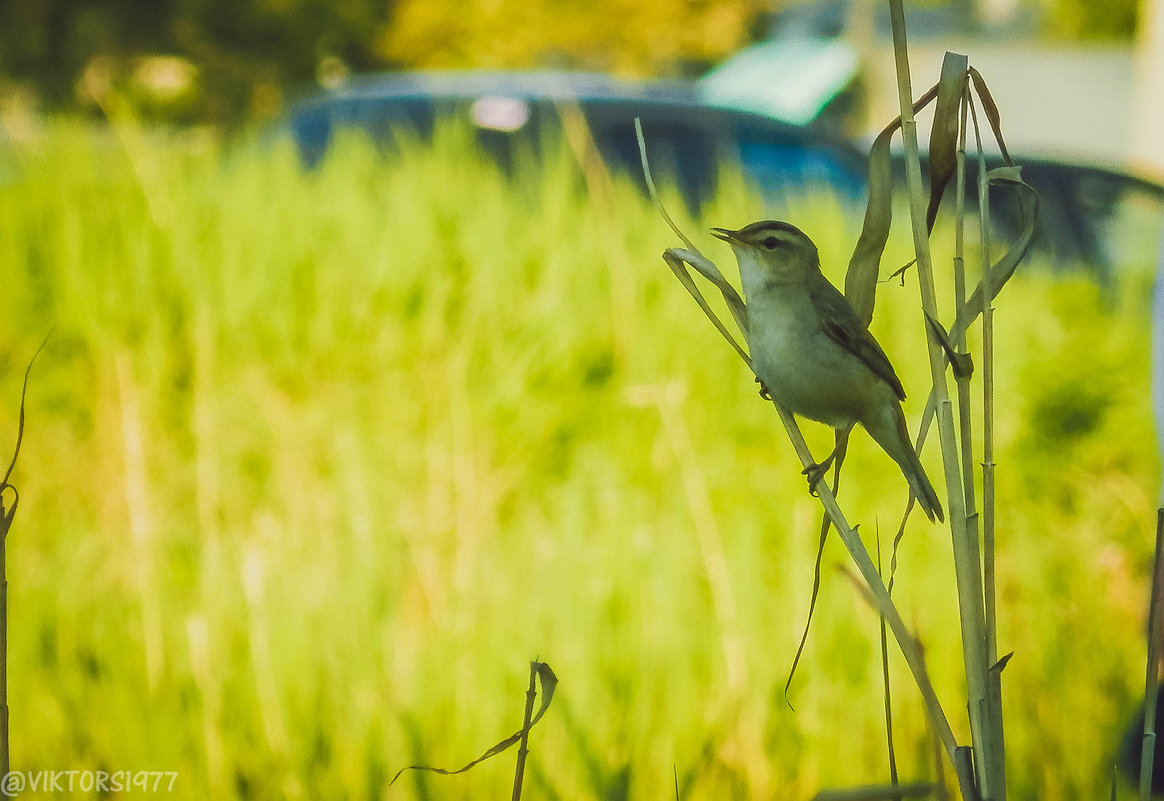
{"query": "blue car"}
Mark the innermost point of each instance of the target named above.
(688, 139)
(1095, 218)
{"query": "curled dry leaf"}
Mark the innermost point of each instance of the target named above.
(548, 682)
(865, 263)
(962, 363)
(991, 110)
(678, 259)
(7, 514)
(1003, 269)
(943, 151)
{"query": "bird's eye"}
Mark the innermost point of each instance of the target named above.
(770, 242)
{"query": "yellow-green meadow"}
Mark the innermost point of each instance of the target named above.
(317, 461)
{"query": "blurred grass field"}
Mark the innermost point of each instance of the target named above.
(317, 462)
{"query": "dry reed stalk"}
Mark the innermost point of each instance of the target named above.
(7, 515)
(678, 259)
(539, 672)
(1152, 677)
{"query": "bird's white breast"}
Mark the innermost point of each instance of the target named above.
(805, 370)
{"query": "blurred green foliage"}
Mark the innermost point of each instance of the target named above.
(1090, 19)
(612, 35)
(317, 462)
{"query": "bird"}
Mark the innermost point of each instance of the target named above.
(813, 355)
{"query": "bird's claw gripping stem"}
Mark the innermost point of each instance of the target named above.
(816, 472)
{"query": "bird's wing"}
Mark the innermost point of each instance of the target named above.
(842, 325)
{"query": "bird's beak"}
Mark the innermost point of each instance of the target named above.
(725, 234)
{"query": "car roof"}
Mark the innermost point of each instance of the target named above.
(540, 84)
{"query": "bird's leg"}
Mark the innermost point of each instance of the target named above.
(765, 393)
(817, 472)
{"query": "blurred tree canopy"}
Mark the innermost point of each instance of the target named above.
(634, 36)
(227, 60)
(224, 60)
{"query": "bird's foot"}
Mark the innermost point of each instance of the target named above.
(765, 393)
(816, 472)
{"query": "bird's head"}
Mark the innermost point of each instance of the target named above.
(771, 251)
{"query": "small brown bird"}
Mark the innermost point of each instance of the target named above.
(811, 351)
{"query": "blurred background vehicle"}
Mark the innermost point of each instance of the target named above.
(1092, 217)
(689, 139)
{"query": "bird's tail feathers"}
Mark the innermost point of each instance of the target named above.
(891, 433)
(923, 490)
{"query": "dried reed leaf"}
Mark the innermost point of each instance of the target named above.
(944, 132)
(824, 530)
(990, 108)
(1004, 268)
(651, 186)
(865, 263)
(678, 259)
(886, 684)
(840, 449)
(1001, 663)
(962, 363)
(6, 515)
(548, 682)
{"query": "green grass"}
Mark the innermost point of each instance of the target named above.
(316, 463)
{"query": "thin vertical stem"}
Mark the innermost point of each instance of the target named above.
(5, 521)
(963, 381)
(987, 399)
(887, 693)
(905, 640)
(523, 747)
(994, 681)
(966, 555)
(1152, 675)
(6, 516)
